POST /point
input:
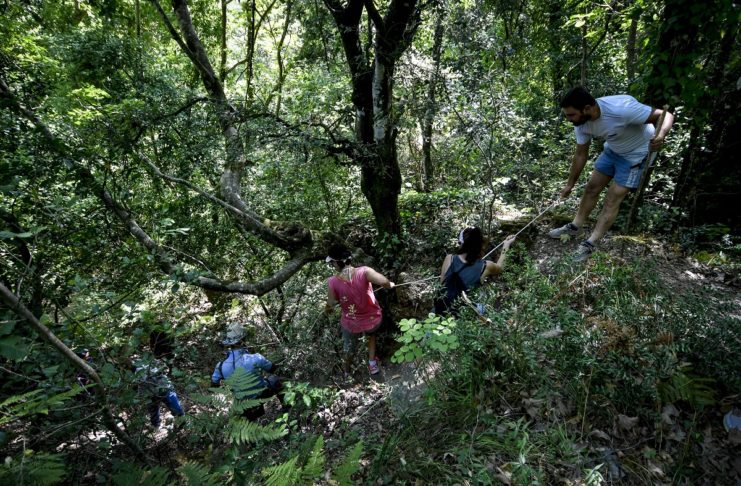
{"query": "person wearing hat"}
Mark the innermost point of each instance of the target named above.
(351, 288)
(238, 356)
(465, 270)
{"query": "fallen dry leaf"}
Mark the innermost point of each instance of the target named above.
(627, 423)
(600, 435)
(668, 413)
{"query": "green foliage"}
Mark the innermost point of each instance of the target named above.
(194, 474)
(284, 474)
(241, 431)
(133, 475)
(33, 402)
(683, 385)
(314, 466)
(33, 468)
(435, 333)
(308, 468)
(342, 474)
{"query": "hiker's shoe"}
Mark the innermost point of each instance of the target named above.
(568, 229)
(582, 253)
(373, 366)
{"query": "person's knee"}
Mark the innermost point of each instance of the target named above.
(615, 195)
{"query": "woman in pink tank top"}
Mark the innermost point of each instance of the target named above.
(351, 288)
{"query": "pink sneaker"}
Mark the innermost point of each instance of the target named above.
(373, 366)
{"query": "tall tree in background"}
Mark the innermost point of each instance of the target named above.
(697, 66)
(372, 78)
(430, 107)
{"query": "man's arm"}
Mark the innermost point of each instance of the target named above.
(577, 165)
(661, 131)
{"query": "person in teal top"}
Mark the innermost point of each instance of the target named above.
(465, 270)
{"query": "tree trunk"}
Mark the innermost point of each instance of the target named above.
(222, 47)
(431, 104)
(584, 54)
(707, 187)
(630, 51)
(372, 96)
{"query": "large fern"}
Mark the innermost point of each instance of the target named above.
(36, 469)
(244, 386)
(314, 467)
(241, 431)
(194, 474)
(33, 402)
(285, 474)
(343, 473)
(133, 475)
(684, 385)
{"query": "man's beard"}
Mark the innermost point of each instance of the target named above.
(585, 118)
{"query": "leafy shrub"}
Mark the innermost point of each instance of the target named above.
(434, 333)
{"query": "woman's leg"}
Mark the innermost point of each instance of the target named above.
(348, 347)
(371, 339)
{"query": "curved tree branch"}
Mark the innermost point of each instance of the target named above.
(45, 333)
(311, 250)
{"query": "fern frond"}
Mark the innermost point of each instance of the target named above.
(285, 474)
(37, 469)
(240, 406)
(243, 383)
(194, 474)
(19, 406)
(314, 467)
(133, 475)
(684, 385)
(241, 431)
(343, 473)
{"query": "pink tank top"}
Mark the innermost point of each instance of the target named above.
(360, 310)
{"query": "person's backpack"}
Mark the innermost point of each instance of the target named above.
(454, 287)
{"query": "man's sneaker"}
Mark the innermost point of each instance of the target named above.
(582, 253)
(373, 366)
(567, 229)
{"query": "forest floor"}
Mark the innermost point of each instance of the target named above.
(368, 405)
(365, 406)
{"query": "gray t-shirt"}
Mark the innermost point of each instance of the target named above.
(622, 124)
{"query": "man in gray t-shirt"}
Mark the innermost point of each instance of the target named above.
(626, 127)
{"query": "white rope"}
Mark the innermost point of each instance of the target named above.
(525, 227)
(554, 204)
(416, 281)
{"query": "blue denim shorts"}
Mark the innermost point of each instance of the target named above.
(625, 172)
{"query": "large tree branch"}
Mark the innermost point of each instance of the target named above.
(15, 305)
(250, 219)
(401, 21)
(375, 17)
(310, 250)
(295, 237)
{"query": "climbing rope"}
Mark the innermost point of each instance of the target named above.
(551, 206)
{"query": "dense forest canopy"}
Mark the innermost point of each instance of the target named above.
(167, 168)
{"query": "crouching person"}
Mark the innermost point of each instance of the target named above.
(154, 383)
(257, 365)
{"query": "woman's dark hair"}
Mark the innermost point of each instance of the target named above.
(473, 241)
(578, 98)
(340, 254)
